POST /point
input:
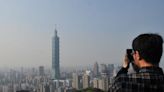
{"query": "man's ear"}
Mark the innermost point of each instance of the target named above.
(137, 55)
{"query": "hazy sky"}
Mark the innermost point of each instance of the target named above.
(89, 30)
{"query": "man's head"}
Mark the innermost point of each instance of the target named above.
(148, 47)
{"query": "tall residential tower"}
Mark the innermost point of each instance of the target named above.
(55, 57)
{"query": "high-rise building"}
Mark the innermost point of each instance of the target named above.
(76, 83)
(103, 69)
(86, 81)
(47, 88)
(95, 70)
(104, 83)
(55, 57)
(95, 83)
(110, 70)
(41, 70)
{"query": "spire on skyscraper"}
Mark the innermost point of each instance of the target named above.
(55, 30)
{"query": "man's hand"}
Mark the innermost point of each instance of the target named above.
(126, 62)
(125, 66)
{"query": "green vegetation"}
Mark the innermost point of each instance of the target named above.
(90, 90)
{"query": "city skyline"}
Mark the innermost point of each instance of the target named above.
(39, 80)
(89, 30)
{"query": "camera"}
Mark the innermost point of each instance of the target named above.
(129, 54)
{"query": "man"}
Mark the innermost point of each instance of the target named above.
(149, 77)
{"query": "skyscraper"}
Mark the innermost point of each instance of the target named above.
(86, 81)
(110, 70)
(76, 81)
(95, 70)
(41, 70)
(55, 57)
(103, 69)
(104, 83)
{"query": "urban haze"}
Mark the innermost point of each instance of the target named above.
(89, 30)
(70, 45)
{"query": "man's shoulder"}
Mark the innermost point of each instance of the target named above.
(138, 77)
(138, 82)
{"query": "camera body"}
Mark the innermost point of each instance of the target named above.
(129, 54)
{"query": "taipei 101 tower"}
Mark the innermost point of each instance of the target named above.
(55, 57)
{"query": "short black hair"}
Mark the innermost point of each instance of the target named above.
(149, 46)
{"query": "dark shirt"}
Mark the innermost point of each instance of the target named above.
(148, 79)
